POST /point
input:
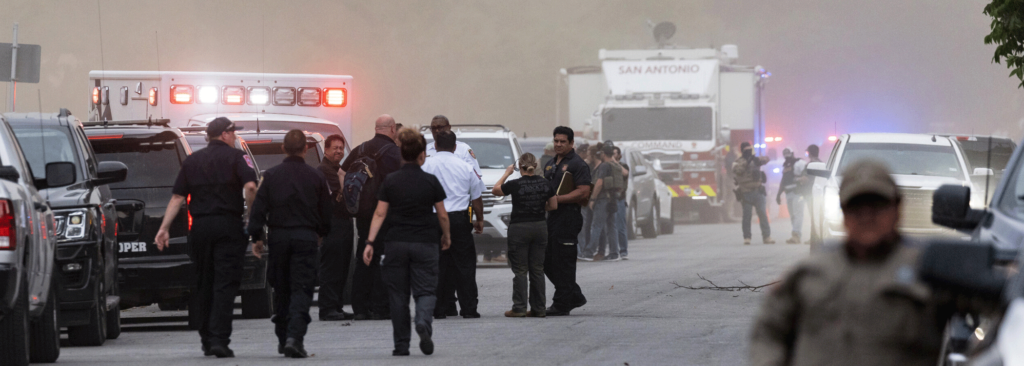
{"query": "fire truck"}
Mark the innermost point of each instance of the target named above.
(684, 109)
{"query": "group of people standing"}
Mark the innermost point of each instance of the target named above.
(410, 204)
(604, 236)
(752, 195)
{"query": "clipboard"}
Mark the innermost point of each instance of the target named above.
(567, 185)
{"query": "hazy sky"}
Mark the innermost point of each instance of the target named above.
(868, 65)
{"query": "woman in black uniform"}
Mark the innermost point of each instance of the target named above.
(407, 199)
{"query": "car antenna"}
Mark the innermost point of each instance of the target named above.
(988, 165)
(933, 138)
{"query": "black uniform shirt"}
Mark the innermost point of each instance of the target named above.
(411, 194)
(565, 223)
(293, 195)
(529, 195)
(330, 172)
(214, 178)
(389, 161)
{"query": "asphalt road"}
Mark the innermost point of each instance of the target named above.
(636, 315)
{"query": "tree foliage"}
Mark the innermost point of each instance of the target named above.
(1008, 34)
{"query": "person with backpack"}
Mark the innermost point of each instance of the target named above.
(365, 169)
(603, 203)
(750, 191)
(792, 171)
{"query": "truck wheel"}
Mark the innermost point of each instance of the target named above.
(114, 323)
(631, 220)
(14, 329)
(94, 333)
(258, 304)
(45, 331)
(650, 228)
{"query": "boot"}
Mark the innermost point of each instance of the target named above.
(769, 240)
(293, 348)
(794, 240)
(746, 241)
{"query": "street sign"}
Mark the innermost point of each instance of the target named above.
(28, 62)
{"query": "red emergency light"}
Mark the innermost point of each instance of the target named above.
(182, 94)
(153, 96)
(832, 139)
(106, 137)
(335, 97)
(233, 95)
(96, 95)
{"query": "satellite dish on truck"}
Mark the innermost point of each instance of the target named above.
(664, 31)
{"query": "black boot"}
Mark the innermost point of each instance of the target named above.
(293, 348)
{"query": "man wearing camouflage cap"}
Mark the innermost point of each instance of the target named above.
(861, 304)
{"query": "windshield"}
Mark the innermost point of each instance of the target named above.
(58, 147)
(269, 155)
(636, 124)
(151, 163)
(977, 153)
(494, 153)
(322, 128)
(906, 159)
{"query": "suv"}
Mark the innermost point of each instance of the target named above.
(28, 294)
(85, 222)
(919, 164)
(495, 148)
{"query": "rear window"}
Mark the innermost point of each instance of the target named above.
(906, 159)
(152, 162)
(492, 153)
(979, 155)
(269, 155)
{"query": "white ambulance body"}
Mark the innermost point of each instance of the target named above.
(311, 102)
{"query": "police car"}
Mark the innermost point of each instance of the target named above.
(495, 147)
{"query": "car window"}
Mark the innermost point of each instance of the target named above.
(637, 161)
(1012, 201)
(90, 158)
(832, 156)
(979, 155)
(152, 162)
(491, 153)
(269, 155)
(906, 159)
(43, 144)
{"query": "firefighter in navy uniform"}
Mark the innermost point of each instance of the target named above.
(294, 201)
(215, 178)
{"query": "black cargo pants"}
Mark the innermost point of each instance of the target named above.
(335, 258)
(368, 291)
(410, 269)
(458, 266)
(564, 226)
(217, 246)
(292, 272)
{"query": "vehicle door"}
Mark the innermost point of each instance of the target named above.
(104, 199)
(643, 177)
(818, 188)
(1004, 226)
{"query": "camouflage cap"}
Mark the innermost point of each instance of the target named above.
(864, 177)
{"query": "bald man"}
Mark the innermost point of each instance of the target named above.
(369, 296)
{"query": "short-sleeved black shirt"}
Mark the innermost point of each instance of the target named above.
(293, 195)
(214, 177)
(565, 223)
(411, 194)
(529, 194)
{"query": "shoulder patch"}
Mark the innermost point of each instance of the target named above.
(472, 154)
(248, 161)
(549, 167)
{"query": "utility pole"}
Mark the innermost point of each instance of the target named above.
(12, 87)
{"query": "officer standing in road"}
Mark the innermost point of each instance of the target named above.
(462, 150)
(461, 186)
(214, 178)
(336, 250)
(750, 191)
(565, 223)
(807, 185)
(294, 201)
(860, 305)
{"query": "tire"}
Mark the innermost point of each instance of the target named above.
(650, 229)
(669, 226)
(631, 220)
(258, 304)
(14, 347)
(45, 331)
(114, 323)
(94, 333)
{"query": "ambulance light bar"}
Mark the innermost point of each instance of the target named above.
(335, 97)
(309, 97)
(239, 95)
(181, 94)
(284, 96)
(234, 95)
(207, 94)
(259, 95)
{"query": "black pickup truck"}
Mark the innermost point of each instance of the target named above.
(85, 223)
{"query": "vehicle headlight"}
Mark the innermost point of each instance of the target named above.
(831, 207)
(71, 225)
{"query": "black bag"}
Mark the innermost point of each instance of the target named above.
(361, 183)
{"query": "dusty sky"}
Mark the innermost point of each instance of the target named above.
(853, 66)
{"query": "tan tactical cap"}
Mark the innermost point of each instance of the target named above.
(867, 176)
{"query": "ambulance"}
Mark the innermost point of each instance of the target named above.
(254, 101)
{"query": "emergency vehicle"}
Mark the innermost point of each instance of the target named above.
(311, 102)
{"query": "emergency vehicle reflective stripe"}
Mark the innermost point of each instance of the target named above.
(708, 191)
(705, 190)
(672, 191)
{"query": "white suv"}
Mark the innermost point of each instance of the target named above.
(919, 163)
(495, 148)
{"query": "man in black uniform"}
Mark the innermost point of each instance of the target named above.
(214, 178)
(295, 204)
(565, 223)
(336, 250)
(369, 296)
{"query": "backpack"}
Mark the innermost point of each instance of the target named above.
(615, 183)
(361, 184)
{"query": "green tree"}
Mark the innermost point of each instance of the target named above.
(1008, 34)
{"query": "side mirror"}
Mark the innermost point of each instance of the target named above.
(111, 172)
(983, 171)
(818, 169)
(951, 207)
(640, 170)
(8, 172)
(962, 267)
(58, 174)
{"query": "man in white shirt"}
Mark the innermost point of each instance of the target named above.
(462, 150)
(457, 264)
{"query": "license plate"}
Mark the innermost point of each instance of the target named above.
(133, 247)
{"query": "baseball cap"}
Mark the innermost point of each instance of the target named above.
(219, 126)
(864, 177)
(787, 152)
